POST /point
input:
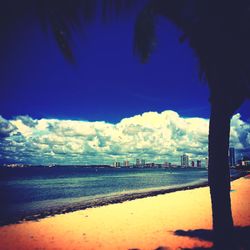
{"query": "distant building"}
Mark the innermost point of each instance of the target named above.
(117, 164)
(143, 163)
(245, 163)
(184, 160)
(158, 165)
(231, 157)
(166, 164)
(198, 164)
(150, 165)
(206, 162)
(126, 163)
(192, 164)
(137, 163)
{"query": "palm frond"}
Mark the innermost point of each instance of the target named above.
(145, 34)
(217, 31)
(63, 16)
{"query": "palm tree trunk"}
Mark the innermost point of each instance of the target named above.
(219, 176)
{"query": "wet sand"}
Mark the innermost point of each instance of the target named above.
(146, 223)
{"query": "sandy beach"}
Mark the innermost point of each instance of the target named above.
(146, 223)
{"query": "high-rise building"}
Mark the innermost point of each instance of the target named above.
(184, 160)
(192, 163)
(231, 157)
(126, 163)
(143, 162)
(137, 162)
(206, 160)
(198, 164)
(116, 164)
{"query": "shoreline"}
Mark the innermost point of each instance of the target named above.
(104, 201)
(177, 220)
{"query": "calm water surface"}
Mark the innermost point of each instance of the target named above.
(29, 191)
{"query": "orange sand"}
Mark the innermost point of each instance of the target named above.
(145, 223)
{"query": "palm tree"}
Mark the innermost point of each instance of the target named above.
(219, 34)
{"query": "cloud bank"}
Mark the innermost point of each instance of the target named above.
(155, 137)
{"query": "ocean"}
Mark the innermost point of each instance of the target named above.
(36, 192)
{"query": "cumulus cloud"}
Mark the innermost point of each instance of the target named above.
(5, 127)
(155, 137)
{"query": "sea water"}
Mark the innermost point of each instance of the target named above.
(34, 190)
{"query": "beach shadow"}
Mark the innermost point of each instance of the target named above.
(162, 248)
(241, 234)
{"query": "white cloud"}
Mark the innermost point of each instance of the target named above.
(5, 127)
(151, 136)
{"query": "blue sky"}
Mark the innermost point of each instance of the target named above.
(107, 83)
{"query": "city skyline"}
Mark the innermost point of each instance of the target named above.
(53, 141)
